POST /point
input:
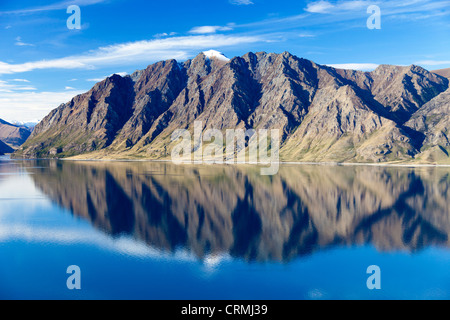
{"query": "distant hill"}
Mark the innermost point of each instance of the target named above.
(30, 124)
(13, 135)
(443, 72)
(323, 114)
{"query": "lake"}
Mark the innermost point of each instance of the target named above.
(155, 230)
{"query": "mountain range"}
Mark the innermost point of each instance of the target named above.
(324, 114)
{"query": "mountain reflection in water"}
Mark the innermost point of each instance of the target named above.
(234, 210)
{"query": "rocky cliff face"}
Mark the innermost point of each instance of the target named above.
(433, 122)
(323, 114)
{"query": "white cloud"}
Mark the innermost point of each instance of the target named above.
(432, 62)
(241, 2)
(328, 7)
(209, 29)
(323, 6)
(19, 42)
(69, 88)
(96, 79)
(355, 66)
(25, 89)
(122, 74)
(319, 7)
(165, 34)
(52, 7)
(21, 80)
(333, 12)
(7, 87)
(306, 35)
(32, 105)
(426, 9)
(355, 5)
(133, 52)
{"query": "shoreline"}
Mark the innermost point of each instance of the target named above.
(298, 163)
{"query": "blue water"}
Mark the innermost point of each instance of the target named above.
(43, 231)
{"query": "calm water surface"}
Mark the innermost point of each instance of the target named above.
(160, 231)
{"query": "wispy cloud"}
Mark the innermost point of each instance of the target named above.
(306, 35)
(122, 74)
(32, 105)
(96, 79)
(51, 7)
(355, 66)
(165, 34)
(6, 86)
(330, 13)
(209, 29)
(241, 2)
(433, 62)
(428, 8)
(134, 52)
(20, 80)
(319, 7)
(20, 43)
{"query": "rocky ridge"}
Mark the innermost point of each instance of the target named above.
(323, 114)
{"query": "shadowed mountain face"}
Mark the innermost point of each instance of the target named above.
(4, 148)
(323, 114)
(235, 211)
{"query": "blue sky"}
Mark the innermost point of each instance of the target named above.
(44, 64)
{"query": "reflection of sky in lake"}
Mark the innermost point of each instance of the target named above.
(39, 239)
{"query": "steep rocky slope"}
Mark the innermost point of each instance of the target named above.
(433, 121)
(323, 114)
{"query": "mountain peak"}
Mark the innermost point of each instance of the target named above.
(387, 68)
